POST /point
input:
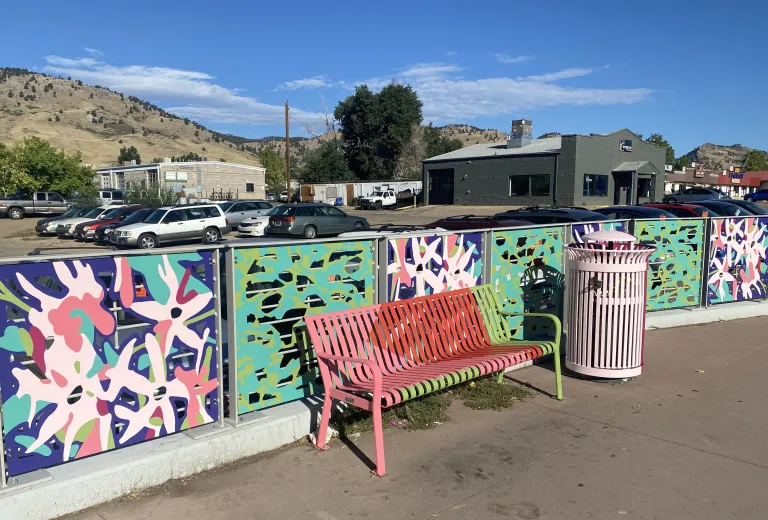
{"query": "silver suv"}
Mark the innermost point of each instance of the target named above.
(175, 224)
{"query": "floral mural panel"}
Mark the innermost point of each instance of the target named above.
(737, 259)
(275, 288)
(102, 353)
(419, 266)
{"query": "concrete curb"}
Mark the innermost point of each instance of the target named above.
(698, 316)
(88, 482)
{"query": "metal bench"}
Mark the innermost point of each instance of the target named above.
(379, 356)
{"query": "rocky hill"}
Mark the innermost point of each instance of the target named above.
(718, 157)
(98, 122)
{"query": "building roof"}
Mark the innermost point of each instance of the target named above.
(636, 166)
(548, 145)
(130, 167)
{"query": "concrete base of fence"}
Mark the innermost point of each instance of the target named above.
(698, 316)
(88, 482)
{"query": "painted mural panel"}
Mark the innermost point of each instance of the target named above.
(418, 266)
(275, 287)
(674, 274)
(527, 272)
(103, 353)
(737, 260)
(579, 230)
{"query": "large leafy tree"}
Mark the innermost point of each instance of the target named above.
(274, 163)
(326, 163)
(127, 154)
(376, 127)
(34, 164)
(754, 161)
(659, 140)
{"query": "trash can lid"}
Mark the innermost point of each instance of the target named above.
(609, 236)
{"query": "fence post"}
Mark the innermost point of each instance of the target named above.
(376, 268)
(219, 332)
(567, 237)
(3, 482)
(382, 261)
(487, 254)
(231, 334)
(705, 259)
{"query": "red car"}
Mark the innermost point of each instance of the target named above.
(462, 222)
(684, 210)
(87, 230)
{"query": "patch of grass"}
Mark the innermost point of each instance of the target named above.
(419, 414)
(487, 394)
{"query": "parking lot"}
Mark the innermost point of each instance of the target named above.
(19, 238)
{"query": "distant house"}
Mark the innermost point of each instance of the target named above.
(567, 170)
(196, 179)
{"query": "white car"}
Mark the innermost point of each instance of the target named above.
(254, 226)
(284, 196)
(176, 224)
(66, 227)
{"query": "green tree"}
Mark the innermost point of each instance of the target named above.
(53, 169)
(275, 166)
(437, 143)
(659, 140)
(682, 162)
(377, 127)
(187, 157)
(754, 161)
(127, 154)
(326, 163)
(12, 177)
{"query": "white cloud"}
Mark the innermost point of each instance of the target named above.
(503, 57)
(429, 69)
(563, 74)
(306, 83)
(93, 52)
(183, 92)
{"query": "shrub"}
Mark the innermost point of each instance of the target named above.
(58, 118)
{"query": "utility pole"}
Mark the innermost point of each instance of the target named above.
(288, 155)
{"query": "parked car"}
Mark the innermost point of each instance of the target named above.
(255, 226)
(556, 215)
(694, 194)
(633, 212)
(461, 222)
(176, 224)
(18, 205)
(47, 226)
(312, 220)
(757, 209)
(379, 199)
(87, 230)
(110, 196)
(270, 196)
(238, 210)
(66, 227)
(393, 229)
(724, 208)
(283, 196)
(685, 210)
(106, 234)
(759, 195)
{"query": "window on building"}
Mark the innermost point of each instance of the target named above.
(595, 185)
(249, 187)
(529, 186)
(644, 188)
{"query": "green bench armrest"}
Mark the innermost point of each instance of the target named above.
(552, 317)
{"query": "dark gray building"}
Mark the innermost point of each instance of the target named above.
(567, 170)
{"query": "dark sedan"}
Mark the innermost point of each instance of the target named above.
(633, 212)
(462, 222)
(87, 230)
(757, 209)
(552, 215)
(105, 234)
(725, 209)
(312, 220)
(685, 210)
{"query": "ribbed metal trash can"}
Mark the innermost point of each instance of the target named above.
(606, 279)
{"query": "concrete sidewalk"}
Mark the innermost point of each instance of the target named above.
(685, 440)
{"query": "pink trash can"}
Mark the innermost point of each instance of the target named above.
(606, 280)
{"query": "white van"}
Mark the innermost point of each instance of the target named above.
(110, 196)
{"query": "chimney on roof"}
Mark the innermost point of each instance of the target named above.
(522, 133)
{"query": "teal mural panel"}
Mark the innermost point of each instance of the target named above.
(275, 288)
(675, 269)
(527, 273)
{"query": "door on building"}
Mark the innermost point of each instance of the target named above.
(622, 188)
(441, 186)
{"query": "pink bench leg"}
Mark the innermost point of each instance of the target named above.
(322, 431)
(378, 434)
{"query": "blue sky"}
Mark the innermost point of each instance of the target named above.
(691, 70)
